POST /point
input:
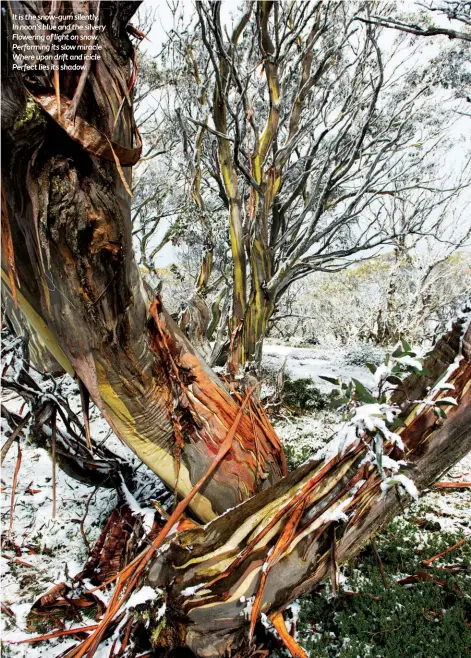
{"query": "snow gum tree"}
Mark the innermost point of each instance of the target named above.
(310, 137)
(258, 535)
(66, 177)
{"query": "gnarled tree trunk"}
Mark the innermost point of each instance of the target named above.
(69, 262)
(280, 544)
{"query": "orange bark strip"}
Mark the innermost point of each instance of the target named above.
(452, 485)
(205, 399)
(7, 611)
(136, 33)
(427, 563)
(293, 647)
(283, 541)
(51, 596)
(57, 89)
(129, 576)
(301, 495)
(51, 636)
(120, 170)
(90, 138)
(127, 635)
(23, 563)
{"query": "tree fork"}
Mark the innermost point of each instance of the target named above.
(278, 546)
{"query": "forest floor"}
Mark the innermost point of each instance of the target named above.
(428, 617)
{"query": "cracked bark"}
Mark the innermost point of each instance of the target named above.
(224, 562)
(69, 215)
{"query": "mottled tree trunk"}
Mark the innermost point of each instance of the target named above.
(69, 261)
(280, 544)
(35, 350)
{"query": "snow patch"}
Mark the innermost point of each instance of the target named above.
(142, 595)
(147, 513)
(405, 482)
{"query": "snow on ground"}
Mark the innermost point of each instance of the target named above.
(303, 362)
(451, 508)
(303, 435)
(49, 550)
(42, 551)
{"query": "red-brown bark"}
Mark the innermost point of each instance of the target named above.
(67, 200)
(280, 544)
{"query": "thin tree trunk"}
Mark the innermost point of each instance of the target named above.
(67, 205)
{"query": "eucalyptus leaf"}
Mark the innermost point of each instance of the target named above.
(331, 380)
(398, 352)
(363, 393)
(407, 348)
(446, 403)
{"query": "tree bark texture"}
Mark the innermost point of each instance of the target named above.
(69, 263)
(36, 352)
(280, 544)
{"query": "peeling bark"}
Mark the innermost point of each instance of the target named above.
(66, 195)
(278, 545)
(37, 352)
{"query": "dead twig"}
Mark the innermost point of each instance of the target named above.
(418, 577)
(7, 611)
(347, 593)
(380, 564)
(51, 636)
(13, 489)
(82, 520)
(427, 563)
(85, 401)
(53, 455)
(126, 635)
(9, 442)
(23, 563)
(333, 560)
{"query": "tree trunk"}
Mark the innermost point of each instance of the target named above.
(36, 352)
(69, 263)
(280, 544)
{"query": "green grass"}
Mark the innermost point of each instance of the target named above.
(398, 625)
